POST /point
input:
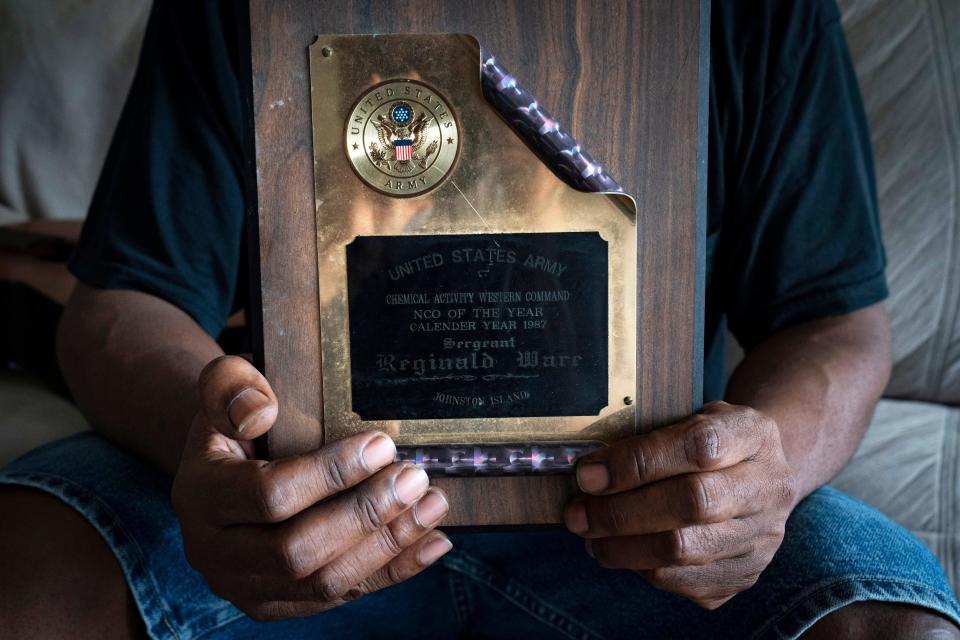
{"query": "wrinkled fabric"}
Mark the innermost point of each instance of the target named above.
(65, 68)
(907, 57)
(908, 467)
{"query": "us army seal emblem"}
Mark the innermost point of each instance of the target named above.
(402, 138)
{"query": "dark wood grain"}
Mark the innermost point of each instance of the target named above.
(623, 76)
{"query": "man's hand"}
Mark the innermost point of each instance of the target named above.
(698, 508)
(300, 535)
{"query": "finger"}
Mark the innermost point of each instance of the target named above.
(313, 538)
(282, 610)
(255, 491)
(681, 501)
(710, 585)
(720, 437)
(236, 399)
(689, 546)
(409, 563)
(358, 570)
(334, 581)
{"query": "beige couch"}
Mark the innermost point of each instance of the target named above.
(907, 54)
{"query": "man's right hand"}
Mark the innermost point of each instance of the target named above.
(300, 535)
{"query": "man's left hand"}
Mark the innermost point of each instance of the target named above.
(698, 508)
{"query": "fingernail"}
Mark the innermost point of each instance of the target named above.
(245, 406)
(379, 452)
(593, 477)
(411, 483)
(431, 508)
(576, 518)
(433, 550)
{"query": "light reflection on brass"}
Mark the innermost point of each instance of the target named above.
(497, 186)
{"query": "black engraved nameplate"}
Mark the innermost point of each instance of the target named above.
(478, 325)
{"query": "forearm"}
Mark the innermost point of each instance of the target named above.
(131, 361)
(820, 382)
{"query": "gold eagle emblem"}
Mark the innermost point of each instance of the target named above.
(389, 130)
(402, 138)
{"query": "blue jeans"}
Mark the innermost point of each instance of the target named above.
(542, 584)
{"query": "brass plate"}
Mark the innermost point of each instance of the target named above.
(497, 185)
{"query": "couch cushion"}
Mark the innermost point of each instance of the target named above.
(65, 68)
(908, 467)
(907, 58)
(32, 415)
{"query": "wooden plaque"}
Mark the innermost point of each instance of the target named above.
(627, 79)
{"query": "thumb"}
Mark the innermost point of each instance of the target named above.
(236, 399)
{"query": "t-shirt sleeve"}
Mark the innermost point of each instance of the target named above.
(167, 215)
(801, 234)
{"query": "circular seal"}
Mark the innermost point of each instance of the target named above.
(402, 138)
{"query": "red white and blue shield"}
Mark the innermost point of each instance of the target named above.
(403, 150)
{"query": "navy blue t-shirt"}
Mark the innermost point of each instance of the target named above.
(793, 231)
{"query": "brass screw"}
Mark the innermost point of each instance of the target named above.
(628, 400)
(327, 52)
